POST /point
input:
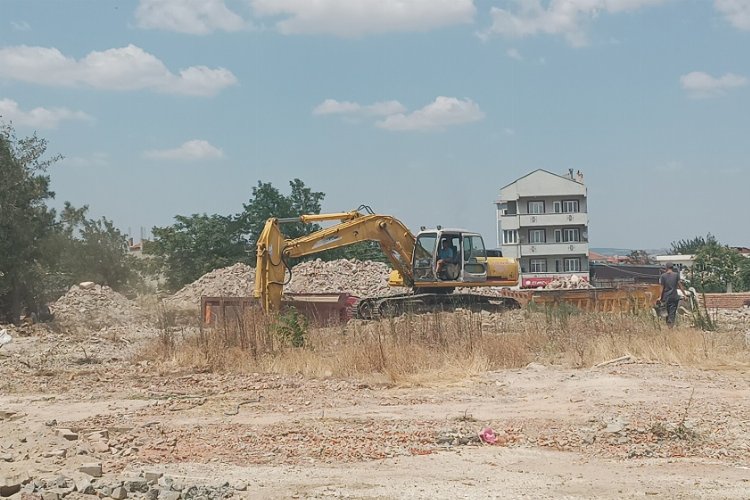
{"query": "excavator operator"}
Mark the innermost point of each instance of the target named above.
(446, 256)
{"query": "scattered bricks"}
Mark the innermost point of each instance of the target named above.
(50, 495)
(6, 457)
(165, 482)
(84, 486)
(93, 469)
(67, 434)
(102, 435)
(239, 486)
(137, 485)
(152, 475)
(119, 493)
(10, 485)
(99, 446)
(152, 494)
(169, 495)
(58, 453)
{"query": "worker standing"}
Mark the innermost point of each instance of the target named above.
(670, 283)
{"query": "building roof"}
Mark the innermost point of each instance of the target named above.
(540, 170)
(553, 185)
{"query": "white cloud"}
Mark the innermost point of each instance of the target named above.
(191, 150)
(737, 12)
(514, 54)
(700, 84)
(38, 117)
(559, 17)
(353, 18)
(126, 68)
(20, 26)
(382, 108)
(94, 160)
(441, 113)
(195, 17)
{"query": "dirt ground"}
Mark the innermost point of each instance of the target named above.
(619, 431)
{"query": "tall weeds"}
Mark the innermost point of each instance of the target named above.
(446, 346)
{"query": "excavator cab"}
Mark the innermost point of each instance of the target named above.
(449, 255)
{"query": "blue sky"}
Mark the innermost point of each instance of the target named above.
(421, 109)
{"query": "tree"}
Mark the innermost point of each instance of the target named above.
(94, 250)
(639, 257)
(267, 201)
(25, 220)
(717, 268)
(195, 245)
(691, 246)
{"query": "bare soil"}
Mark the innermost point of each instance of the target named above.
(619, 431)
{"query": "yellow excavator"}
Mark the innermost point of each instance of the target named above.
(433, 263)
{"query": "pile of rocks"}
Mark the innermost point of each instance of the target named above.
(732, 319)
(361, 278)
(90, 305)
(232, 281)
(148, 484)
(568, 282)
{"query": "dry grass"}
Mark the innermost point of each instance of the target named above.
(438, 347)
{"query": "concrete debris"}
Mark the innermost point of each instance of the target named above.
(5, 337)
(360, 278)
(92, 469)
(233, 281)
(93, 307)
(568, 282)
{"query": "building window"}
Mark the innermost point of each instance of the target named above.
(557, 207)
(537, 236)
(572, 265)
(571, 234)
(536, 207)
(570, 206)
(567, 235)
(510, 237)
(538, 265)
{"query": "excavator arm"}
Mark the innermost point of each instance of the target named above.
(274, 250)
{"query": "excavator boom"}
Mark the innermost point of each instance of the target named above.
(274, 251)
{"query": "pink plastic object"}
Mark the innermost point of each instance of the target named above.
(488, 436)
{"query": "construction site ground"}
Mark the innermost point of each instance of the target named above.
(622, 430)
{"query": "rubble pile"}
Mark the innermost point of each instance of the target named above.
(89, 481)
(567, 283)
(96, 306)
(732, 319)
(233, 281)
(361, 278)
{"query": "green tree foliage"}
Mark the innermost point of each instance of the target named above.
(195, 245)
(25, 221)
(94, 250)
(691, 246)
(267, 201)
(41, 253)
(717, 268)
(639, 257)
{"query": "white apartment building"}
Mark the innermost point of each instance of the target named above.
(542, 221)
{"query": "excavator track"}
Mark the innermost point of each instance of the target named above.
(420, 303)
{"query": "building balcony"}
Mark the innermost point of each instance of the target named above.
(550, 220)
(541, 249)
